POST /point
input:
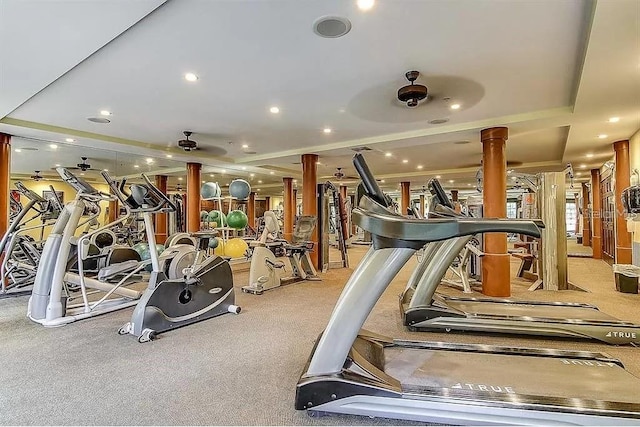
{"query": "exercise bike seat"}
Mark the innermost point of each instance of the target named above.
(106, 273)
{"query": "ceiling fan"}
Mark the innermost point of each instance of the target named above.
(339, 175)
(83, 166)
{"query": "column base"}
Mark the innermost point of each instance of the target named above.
(496, 275)
(623, 255)
(596, 245)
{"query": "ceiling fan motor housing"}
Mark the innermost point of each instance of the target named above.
(413, 93)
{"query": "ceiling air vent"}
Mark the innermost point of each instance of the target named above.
(361, 149)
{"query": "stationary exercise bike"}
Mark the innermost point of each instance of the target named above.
(204, 291)
(265, 271)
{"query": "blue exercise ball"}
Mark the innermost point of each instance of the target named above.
(240, 189)
(210, 191)
(214, 242)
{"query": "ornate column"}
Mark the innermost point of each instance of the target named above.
(287, 200)
(596, 214)
(586, 227)
(193, 196)
(496, 275)
(310, 197)
(405, 197)
(251, 209)
(5, 166)
(161, 219)
(623, 180)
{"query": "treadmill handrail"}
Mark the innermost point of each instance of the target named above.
(397, 227)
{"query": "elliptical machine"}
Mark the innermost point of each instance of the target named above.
(204, 291)
(264, 273)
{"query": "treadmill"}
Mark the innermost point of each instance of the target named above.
(353, 371)
(425, 310)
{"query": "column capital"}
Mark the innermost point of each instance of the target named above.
(5, 138)
(499, 133)
(620, 145)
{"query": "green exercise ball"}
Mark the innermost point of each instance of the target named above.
(237, 220)
(236, 248)
(218, 217)
(204, 215)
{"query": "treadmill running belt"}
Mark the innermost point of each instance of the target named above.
(506, 377)
(501, 309)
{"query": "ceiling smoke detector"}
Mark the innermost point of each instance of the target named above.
(412, 94)
(187, 144)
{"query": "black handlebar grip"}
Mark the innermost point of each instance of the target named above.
(368, 180)
(436, 189)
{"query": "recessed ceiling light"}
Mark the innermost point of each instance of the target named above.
(365, 4)
(105, 112)
(252, 175)
(451, 181)
(179, 178)
(106, 170)
(614, 119)
(17, 150)
(70, 140)
(455, 106)
(204, 182)
(259, 181)
(589, 155)
(342, 110)
(468, 185)
(244, 168)
(245, 145)
(578, 173)
(295, 180)
(169, 156)
(57, 165)
(53, 146)
(382, 181)
(190, 77)
(419, 166)
(274, 110)
(224, 171)
(388, 154)
(258, 189)
(438, 177)
(318, 163)
(583, 166)
(81, 173)
(326, 130)
(405, 161)
(211, 175)
(136, 166)
(149, 160)
(602, 136)
(271, 173)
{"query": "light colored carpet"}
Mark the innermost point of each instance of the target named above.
(231, 370)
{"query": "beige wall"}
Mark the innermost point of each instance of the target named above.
(634, 163)
(69, 194)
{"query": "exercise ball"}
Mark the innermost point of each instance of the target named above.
(219, 218)
(235, 248)
(237, 220)
(210, 191)
(214, 242)
(240, 189)
(141, 247)
(160, 248)
(204, 215)
(219, 250)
